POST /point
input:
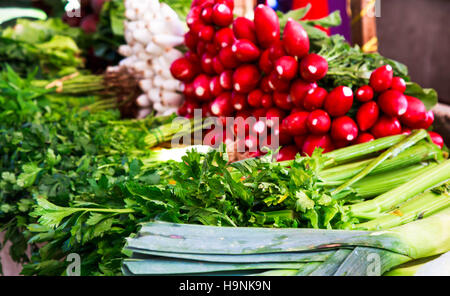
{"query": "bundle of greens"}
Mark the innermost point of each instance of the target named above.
(51, 46)
(51, 147)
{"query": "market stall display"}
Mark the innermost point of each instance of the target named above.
(358, 166)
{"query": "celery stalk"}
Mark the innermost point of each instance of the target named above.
(391, 152)
(420, 152)
(432, 177)
(375, 185)
(422, 206)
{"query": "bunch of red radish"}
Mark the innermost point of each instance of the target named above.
(89, 18)
(250, 70)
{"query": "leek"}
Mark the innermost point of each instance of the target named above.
(166, 248)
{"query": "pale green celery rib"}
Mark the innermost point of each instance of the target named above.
(393, 151)
(420, 152)
(431, 177)
(375, 185)
(421, 206)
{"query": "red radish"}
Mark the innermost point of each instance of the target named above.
(224, 38)
(207, 63)
(296, 124)
(193, 58)
(201, 87)
(217, 65)
(239, 101)
(201, 47)
(183, 70)
(367, 115)
(189, 106)
(318, 122)
(222, 105)
(386, 126)
(267, 101)
(89, 23)
(297, 109)
(300, 141)
(314, 98)
(364, 93)
(281, 133)
(398, 84)
(260, 127)
(274, 117)
(313, 67)
(415, 114)
(206, 33)
(341, 144)
(206, 109)
(276, 51)
(344, 129)
(259, 113)
(193, 17)
(339, 101)
(299, 89)
(277, 84)
(244, 28)
(222, 15)
(429, 120)
(211, 49)
(206, 14)
(265, 64)
(267, 25)
(226, 79)
(254, 98)
(245, 78)
(393, 103)
(245, 50)
(188, 90)
(228, 58)
(190, 40)
(381, 78)
(283, 100)
(214, 86)
(437, 139)
(295, 39)
(315, 141)
(406, 131)
(264, 85)
(251, 142)
(287, 153)
(229, 3)
(240, 123)
(286, 67)
(364, 138)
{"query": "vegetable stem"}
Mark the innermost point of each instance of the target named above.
(393, 151)
(431, 177)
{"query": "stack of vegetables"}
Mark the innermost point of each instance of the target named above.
(255, 70)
